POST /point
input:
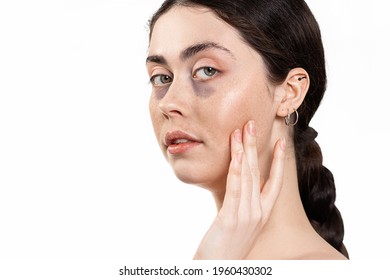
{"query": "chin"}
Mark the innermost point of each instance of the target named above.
(209, 178)
(189, 174)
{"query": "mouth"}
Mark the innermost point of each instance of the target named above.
(179, 142)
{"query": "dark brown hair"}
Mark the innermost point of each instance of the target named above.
(286, 35)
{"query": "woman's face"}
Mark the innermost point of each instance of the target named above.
(206, 82)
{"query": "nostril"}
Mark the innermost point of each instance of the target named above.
(171, 113)
(175, 112)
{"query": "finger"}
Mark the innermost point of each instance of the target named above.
(275, 181)
(233, 183)
(244, 211)
(262, 182)
(236, 142)
(250, 148)
(233, 186)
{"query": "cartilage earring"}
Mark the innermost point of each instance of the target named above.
(291, 121)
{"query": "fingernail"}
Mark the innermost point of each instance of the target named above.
(283, 144)
(251, 128)
(237, 136)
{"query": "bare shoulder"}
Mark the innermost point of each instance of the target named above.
(322, 256)
(325, 252)
(318, 249)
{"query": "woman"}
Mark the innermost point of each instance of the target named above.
(234, 87)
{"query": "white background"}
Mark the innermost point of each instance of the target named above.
(81, 174)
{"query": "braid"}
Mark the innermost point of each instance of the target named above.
(317, 189)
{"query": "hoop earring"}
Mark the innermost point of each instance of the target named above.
(288, 121)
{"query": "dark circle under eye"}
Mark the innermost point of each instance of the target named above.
(209, 71)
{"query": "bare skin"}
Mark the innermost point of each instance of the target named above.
(220, 124)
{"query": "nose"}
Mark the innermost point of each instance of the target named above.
(170, 109)
(176, 101)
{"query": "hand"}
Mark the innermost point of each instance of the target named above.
(247, 205)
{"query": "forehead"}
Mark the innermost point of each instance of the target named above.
(184, 26)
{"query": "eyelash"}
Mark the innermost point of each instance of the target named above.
(209, 68)
(160, 76)
(194, 76)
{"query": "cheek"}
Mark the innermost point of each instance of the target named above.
(229, 108)
(154, 116)
(152, 109)
(232, 107)
(241, 103)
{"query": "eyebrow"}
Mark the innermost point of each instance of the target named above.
(190, 52)
(159, 59)
(197, 48)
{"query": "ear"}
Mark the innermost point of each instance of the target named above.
(292, 92)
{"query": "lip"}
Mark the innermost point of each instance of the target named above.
(187, 142)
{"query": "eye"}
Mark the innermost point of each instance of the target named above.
(160, 80)
(205, 73)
